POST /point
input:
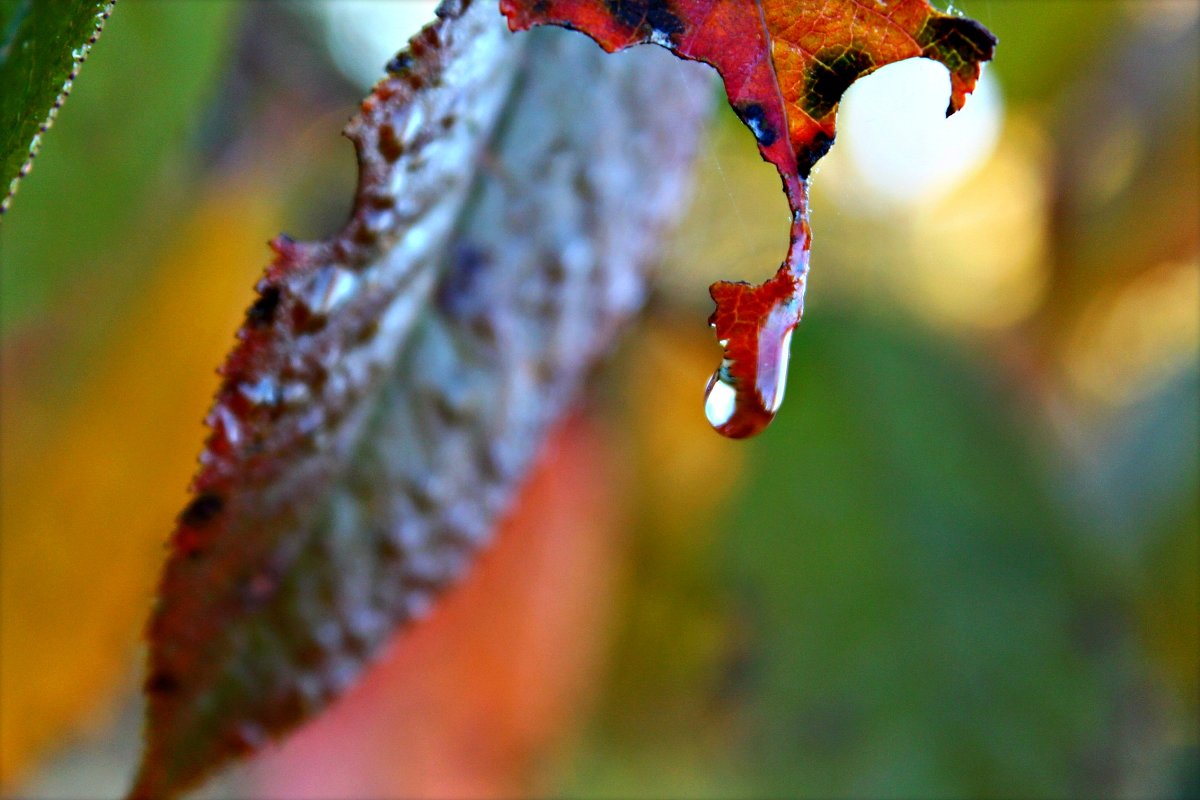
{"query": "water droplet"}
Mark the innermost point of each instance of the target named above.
(295, 393)
(739, 401)
(263, 392)
(412, 124)
(226, 428)
(328, 288)
(720, 400)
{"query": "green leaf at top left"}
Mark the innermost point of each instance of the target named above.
(42, 44)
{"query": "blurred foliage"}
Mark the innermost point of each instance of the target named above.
(86, 493)
(933, 622)
(152, 72)
(964, 560)
(1044, 56)
(112, 331)
(41, 44)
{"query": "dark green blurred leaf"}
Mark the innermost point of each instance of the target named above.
(122, 146)
(1045, 45)
(42, 43)
(911, 604)
(1146, 468)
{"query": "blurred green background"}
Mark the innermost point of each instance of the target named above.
(964, 561)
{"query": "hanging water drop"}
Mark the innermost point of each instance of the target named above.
(754, 325)
(720, 400)
(740, 409)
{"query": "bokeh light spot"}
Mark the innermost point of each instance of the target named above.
(896, 147)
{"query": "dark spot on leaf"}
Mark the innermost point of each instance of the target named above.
(292, 708)
(262, 313)
(830, 77)
(246, 738)
(162, 682)
(320, 376)
(284, 245)
(390, 146)
(448, 411)
(755, 118)
(202, 510)
(381, 201)
(387, 548)
(399, 63)
(647, 16)
(190, 543)
(364, 236)
(305, 321)
(356, 643)
(367, 332)
(957, 42)
(458, 294)
(424, 495)
(805, 159)
(483, 328)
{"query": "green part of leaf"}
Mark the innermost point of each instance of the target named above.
(121, 153)
(42, 45)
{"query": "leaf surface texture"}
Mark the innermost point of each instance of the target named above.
(393, 384)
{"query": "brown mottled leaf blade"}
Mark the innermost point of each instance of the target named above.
(393, 384)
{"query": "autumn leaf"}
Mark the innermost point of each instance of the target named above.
(785, 65)
(42, 45)
(393, 384)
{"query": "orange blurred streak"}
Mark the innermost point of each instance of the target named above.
(468, 703)
(91, 481)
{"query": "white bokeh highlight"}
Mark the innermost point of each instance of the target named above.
(362, 35)
(895, 144)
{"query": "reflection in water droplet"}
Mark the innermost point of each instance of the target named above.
(412, 124)
(263, 392)
(294, 393)
(772, 374)
(720, 400)
(328, 288)
(226, 425)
